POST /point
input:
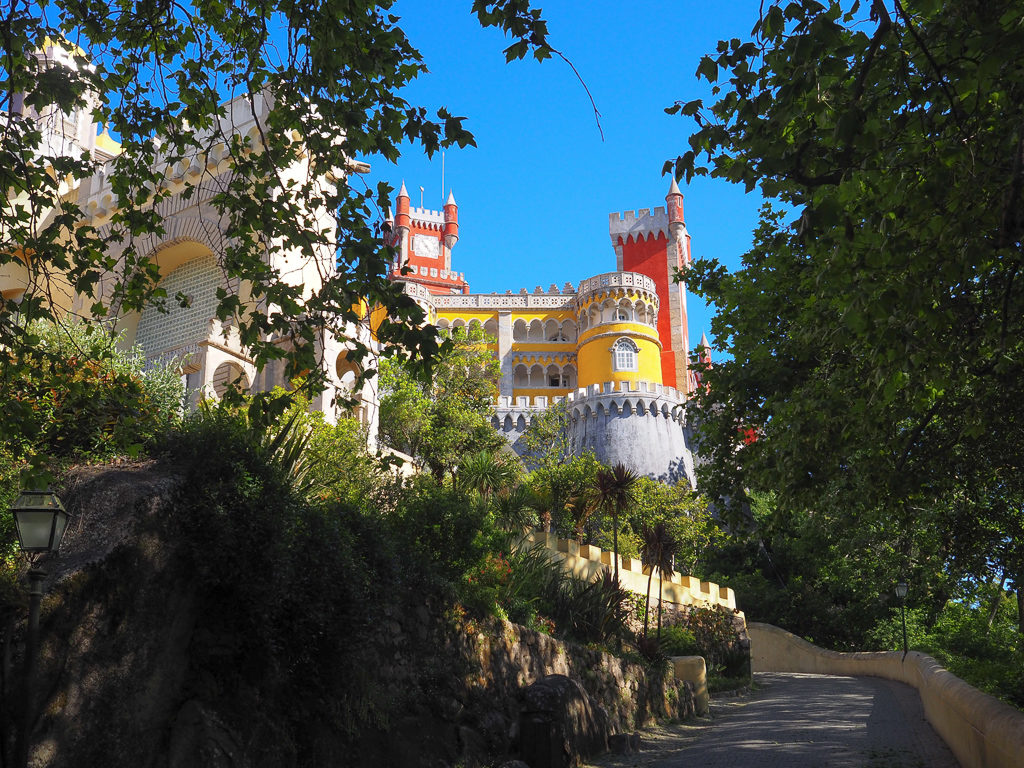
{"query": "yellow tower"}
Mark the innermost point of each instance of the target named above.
(618, 341)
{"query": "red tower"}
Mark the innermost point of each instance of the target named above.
(655, 243)
(423, 240)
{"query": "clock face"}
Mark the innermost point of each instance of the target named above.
(426, 247)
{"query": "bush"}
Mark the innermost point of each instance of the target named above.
(709, 631)
(679, 641)
(290, 594)
(85, 398)
(442, 528)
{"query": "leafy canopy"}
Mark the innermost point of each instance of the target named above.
(322, 82)
(441, 419)
(876, 340)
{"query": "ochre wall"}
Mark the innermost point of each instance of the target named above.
(982, 731)
(587, 561)
(594, 359)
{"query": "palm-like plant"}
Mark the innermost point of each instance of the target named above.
(615, 490)
(514, 508)
(659, 551)
(488, 472)
(581, 507)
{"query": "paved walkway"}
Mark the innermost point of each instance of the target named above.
(802, 721)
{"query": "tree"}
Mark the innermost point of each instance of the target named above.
(489, 472)
(659, 551)
(547, 439)
(322, 83)
(614, 488)
(876, 340)
(685, 514)
(557, 486)
(443, 418)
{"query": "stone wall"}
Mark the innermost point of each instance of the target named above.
(982, 731)
(587, 561)
(505, 659)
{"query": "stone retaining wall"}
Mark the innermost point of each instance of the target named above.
(586, 561)
(982, 731)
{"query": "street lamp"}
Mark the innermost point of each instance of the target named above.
(41, 521)
(901, 593)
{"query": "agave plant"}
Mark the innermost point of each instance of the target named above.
(286, 446)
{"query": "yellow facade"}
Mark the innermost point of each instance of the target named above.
(551, 344)
(596, 355)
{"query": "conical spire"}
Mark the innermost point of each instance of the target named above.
(704, 340)
(674, 189)
(451, 198)
(403, 192)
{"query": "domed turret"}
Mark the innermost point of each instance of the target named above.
(618, 341)
(451, 222)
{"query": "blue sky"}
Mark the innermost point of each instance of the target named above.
(535, 194)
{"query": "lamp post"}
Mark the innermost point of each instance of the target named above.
(41, 521)
(901, 593)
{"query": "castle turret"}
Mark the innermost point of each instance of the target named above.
(674, 206)
(71, 133)
(655, 243)
(451, 225)
(618, 337)
(400, 229)
(425, 239)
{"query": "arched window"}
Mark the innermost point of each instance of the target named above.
(624, 355)
(229, 375)
(624, 312)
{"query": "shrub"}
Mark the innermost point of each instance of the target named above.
(290, 593)
(709, 631)
(441, 527)
(679, 641)
(84, 397)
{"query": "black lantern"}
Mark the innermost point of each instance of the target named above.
(901, 593)
(41, 521)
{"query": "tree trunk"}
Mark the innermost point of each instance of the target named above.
(647, 601)
(995, 603)
(615, 543)
(659, 605)
(1020, 606)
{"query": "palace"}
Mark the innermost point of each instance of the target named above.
(613, 348)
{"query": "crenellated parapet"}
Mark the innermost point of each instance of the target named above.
(641, 424)
(611, 281)
(628, 397)
(641, 224)
(552, 299)
(587, 561)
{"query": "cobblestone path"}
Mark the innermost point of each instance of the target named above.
(801, 721)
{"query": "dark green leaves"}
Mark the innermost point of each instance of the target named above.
(875, 329)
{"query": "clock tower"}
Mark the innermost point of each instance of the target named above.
(423, 240)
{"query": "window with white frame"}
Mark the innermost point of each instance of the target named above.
(624, 355)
